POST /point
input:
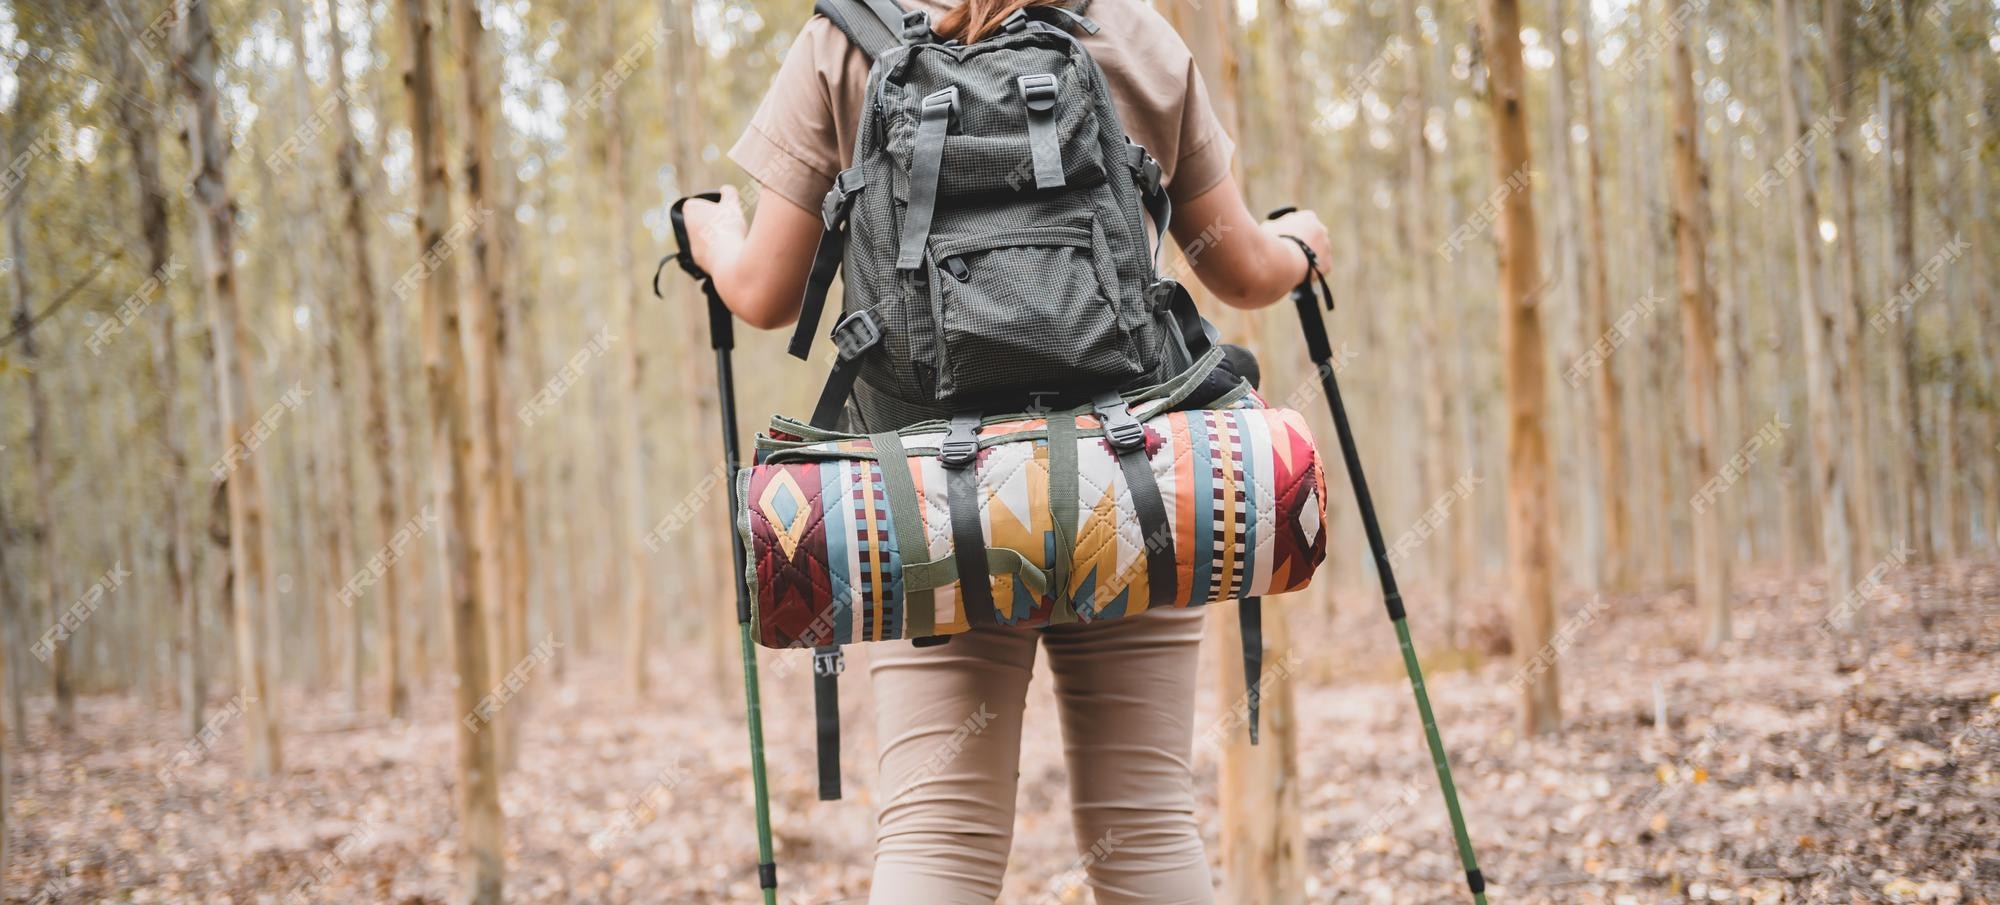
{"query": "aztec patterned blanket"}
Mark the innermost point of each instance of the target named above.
(828, 521)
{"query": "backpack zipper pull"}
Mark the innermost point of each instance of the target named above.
(956, 267)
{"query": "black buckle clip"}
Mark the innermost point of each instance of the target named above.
(856, 333)
(961, 442)
(833, 210)
(1145, 166)
(1038, 91)
(829, 662)
(1123, 431)
(916, 27)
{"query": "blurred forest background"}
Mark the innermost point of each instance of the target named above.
(335, 398)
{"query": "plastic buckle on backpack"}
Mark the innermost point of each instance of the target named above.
(1144, 166)
(916, 27)
(1121, 430)
(833, 210)
(856, 333)
(829, 662)
(1038, 91)
(961, 443)
(1016, 23)
(946, 98)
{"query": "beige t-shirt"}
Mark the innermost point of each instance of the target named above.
(803, 133)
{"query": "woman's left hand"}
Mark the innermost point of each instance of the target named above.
(715, 229)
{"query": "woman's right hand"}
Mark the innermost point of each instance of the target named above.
(1304, 226)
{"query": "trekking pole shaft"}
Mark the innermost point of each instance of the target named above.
(1320, 349)
(722, 338)
(752, 698)
(1393, 599)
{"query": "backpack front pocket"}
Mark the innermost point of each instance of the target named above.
(1027, 309)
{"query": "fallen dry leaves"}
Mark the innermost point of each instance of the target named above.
(1777, 777)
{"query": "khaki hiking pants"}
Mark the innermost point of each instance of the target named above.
(949, 722)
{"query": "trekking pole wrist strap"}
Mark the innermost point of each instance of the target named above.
(721, 323)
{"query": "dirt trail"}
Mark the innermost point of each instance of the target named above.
(1777, 777)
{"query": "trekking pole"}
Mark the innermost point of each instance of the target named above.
(722, 338)
(1321, 351)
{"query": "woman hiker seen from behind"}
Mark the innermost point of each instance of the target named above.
(1125, 688)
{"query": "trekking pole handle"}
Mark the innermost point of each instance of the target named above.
(1303, 292)
(1318, 346)
(721, 324)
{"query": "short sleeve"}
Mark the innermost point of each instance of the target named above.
(1205, 147)
(792, 146)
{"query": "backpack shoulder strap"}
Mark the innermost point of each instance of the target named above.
(872, 25)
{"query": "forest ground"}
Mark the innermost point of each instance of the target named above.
(1778, 777)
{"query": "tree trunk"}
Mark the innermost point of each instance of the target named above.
(18, 613)
(481, 833)
(136, 122)
(1530, 551)
(373, 376)
(1905, 404)
(215, 244)
(44, 525)
(480, 311)
(630, 436)
(1605, 413)
(1421, 227)
(1837, 25)
(337, 490)
(1263, 842)
(1825, 380)
(1698, 337)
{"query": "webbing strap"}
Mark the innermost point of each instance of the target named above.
(826, 259)
(856, 334)
(1128, 439)
(1250, 621)
(833, 395)
(968, 535)
(871, 25)
(1062, 508)
(826, 263)
(999, 560)
(928, 155)
(827, 665)
(907, 520)
(1038, 94)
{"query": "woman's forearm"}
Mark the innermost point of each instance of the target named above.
(1244, 262)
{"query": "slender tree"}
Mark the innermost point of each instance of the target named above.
(1530, 550)
(1837, 27)
(1825, 374)
(14, 138)
(480, 853)
(1263, 842)
(140, 130)
(630, 537)
(480, 310)
(215, 245)
(1698, 338)
(1421, 228)
(1905, 382)
(373, 377)
(338, 532)
(1606, 414)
